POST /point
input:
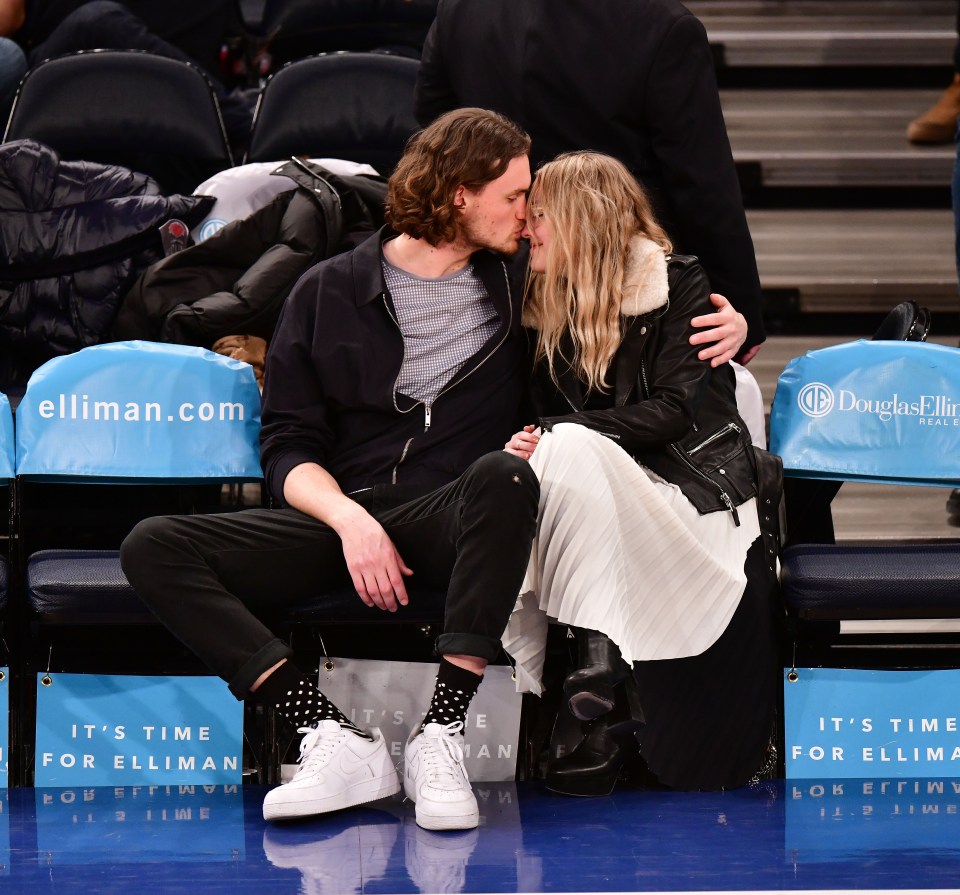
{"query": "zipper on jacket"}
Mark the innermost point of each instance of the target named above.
(720, 433)
(428, 408)
(403, 456)
(643, 379)
(724, 497)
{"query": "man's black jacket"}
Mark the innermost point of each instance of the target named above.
(329, 394)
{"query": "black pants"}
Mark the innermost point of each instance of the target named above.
(205, 577)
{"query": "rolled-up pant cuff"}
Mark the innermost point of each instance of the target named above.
(468, 645)
(262, 660)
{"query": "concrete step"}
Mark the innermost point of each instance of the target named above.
(857, 260)
(834, 138)
(803, 33)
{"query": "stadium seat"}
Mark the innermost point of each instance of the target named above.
(354, 106)
(126, 107)
(878, 411)
(105, 437)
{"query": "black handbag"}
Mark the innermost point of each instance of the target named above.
(906, 322)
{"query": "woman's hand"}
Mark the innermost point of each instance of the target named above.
(723, 332)
(523, 444)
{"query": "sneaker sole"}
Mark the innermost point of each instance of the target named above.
(447, 822)
(428, 821)
(358, 794)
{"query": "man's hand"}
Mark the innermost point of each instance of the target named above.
(523, 444)
(723, 332)
(375, 566)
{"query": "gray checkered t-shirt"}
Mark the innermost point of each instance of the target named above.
(443, 321)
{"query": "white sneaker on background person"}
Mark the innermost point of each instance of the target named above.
(435, 780)
(338, 769)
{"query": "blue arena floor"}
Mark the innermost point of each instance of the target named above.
(781, 836)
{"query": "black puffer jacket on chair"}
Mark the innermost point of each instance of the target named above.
(74, 236)
(235, 282)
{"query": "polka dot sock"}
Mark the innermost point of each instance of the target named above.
(452, 694)
(296, 699)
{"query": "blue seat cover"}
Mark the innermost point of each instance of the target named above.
(140, 410)
(7, 463)
(870, 411)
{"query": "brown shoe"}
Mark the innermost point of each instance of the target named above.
(939, 123)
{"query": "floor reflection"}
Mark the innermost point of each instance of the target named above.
(782, 836)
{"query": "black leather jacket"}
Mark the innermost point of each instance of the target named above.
(671, 411)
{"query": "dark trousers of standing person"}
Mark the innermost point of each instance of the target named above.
(207, 577)
(105, 25)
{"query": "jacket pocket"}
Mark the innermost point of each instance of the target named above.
(729, 433)
(723, 456)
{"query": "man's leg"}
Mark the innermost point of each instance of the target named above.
(201, 574)
(203, 577)
(476, 533)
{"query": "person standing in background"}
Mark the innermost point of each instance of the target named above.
(635, 81)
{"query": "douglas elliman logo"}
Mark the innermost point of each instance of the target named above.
(817, 400)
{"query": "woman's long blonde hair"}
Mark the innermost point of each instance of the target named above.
(595, 207)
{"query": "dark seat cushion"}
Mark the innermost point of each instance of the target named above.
(827, 581)
(82, 586)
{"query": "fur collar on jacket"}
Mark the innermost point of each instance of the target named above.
(645, 286)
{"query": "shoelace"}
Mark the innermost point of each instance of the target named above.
(442, 756)
(316, 747)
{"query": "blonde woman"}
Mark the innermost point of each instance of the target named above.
(648, 529)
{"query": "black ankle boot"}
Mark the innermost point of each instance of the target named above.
(589, 689)
(593, 767)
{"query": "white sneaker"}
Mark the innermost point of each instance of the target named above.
(435, 780)
(338, 769)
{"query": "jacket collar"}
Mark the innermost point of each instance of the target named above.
(369, 283)
(645, 286)
(645, 290)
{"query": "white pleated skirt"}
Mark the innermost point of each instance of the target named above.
(621, 551)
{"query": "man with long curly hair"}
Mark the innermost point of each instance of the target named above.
(394, 375)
